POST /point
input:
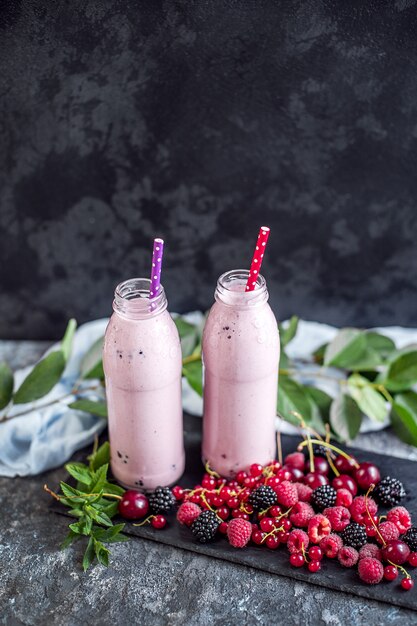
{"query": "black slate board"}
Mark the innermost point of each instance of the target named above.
(332, 575)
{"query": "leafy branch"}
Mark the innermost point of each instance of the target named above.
(93, 502)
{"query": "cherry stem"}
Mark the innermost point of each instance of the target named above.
(371, 488)
(84, 495)
(331, 447)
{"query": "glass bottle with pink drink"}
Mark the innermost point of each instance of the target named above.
(142, 365)
(241, 359)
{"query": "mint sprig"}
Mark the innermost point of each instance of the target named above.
(93, 502)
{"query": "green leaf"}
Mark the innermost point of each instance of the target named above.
(98, 516)
(75, 496)
(349, 350)
(189, 336)
(80, 472)
(318, 354)
(113, 488)
(284, 362)
(95, 407)
(345, 417)
(100, 457)
(89, 554)
(381, 344)
(66, 344)
(41, 379)
(369, 400)
(322, 400)
(99, 479)
(108, 534)
(293, 397)
(402, 371)
(288, 333)
(83, 526)
(102, 553)
(92, 363)
(193, 372)
(6, 384)
(404, 417)
(69, 539)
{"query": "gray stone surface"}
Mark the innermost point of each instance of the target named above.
(148, 583)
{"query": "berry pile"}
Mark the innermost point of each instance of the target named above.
(323, 508)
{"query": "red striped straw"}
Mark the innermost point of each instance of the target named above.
(257, 259)
(158, 251)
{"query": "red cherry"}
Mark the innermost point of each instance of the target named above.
(256, 469)
(297, 560)
(395, 551)
(407, 583)
(296, 473)
(367, 475)
(314, 480)
(412, 559)
(257, 536)
(133, 505)
(284, 474)
(321, 466)
(315, 553)
(390, 572)
(158, 521)
(314, 566)
(272, 542)
(222, 528)
(345, 482)
(346, 466)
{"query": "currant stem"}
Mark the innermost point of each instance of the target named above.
(332, 447)
(402, 569)
(145, 521)
(210, 471)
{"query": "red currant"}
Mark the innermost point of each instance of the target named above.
(240, 477)
(366, 475)
(223, 512)
(315, 553)
(314, 566)
(390, 572)
(222, 528)
(249, 482)
(242, 514)
(284, 474)
(283, 536)
(275, 510)
(345, 482)
(209, 482)
(233, 503)
(286, 524)
(407, 583)
(272, 542)
(297, 560)
(273, 481)
(133, 505)
(178, 492)
(256, 469)
(266, 524)
(158, 521)
(257, 536)
(412, 559)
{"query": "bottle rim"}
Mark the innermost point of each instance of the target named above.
(132, 299)
(227, 293)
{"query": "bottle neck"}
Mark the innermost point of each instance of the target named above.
(230, 290)
(132, 301)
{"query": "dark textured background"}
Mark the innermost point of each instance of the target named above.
(198, 121)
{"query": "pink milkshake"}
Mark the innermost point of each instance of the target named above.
(142, 364)
(241, 359)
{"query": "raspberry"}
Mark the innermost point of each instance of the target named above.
(301, 514)
(295, 459)
(388, 531)
(370, 551)
(297, 541)
(304, 492)
(371, 571)
(287, 493)
(318, 527)
(400, 517)
(348, 556)
(331, 545)
(338, 516)
(239, 532)
(358, 509)
(343, 498)
(187, 513)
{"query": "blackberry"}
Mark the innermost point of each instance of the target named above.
(205, 526)
(410, 538)
(161, 500)
(262, 498)
(389, 491)
(354, 535)
(323, 497)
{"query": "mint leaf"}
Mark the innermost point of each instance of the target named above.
(193, 372)
(6, 384)
(288, 333)
(83, 526)
(66, 343)
(404, 417)
(107, 534)
(80, 472)
(102, 553)
(98, 515)
(95, 407)
(92, 363)
(74, 495)
(89, 554)
(41, 379)
(69, 539)
(100, 457)
(99, 479)
(369, 400)
(345, 417)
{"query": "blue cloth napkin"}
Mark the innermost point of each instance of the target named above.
(49, 434)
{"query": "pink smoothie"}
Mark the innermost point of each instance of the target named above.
(142, 364)
(241, 359)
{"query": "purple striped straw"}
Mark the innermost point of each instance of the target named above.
(158, 251)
